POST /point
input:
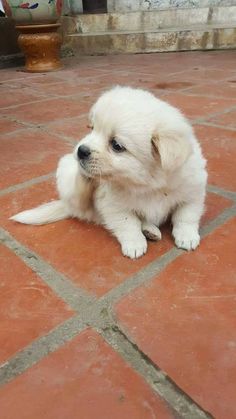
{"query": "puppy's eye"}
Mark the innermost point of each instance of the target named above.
(117, 147)
(90, 126)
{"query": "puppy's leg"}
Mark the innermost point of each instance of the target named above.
(127, 229)
(186, 225)
(75, 190)
(124, 225)
(151, 231)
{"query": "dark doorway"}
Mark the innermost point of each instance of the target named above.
(95, 6)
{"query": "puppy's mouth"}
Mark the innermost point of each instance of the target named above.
(89, 169)
(84, 169)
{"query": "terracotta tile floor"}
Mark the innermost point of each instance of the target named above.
(85, 332)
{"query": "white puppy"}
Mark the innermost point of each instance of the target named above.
(140, 163)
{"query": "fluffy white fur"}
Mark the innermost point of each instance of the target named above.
(161, 172)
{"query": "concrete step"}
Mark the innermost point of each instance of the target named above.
(205, 37)
(150, 20)
(177, 29)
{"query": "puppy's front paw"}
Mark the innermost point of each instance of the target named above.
(186, 236)
(134, 248)
(151, 232)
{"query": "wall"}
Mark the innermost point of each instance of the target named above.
(132, 5)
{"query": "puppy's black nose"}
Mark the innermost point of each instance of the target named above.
(83, 152)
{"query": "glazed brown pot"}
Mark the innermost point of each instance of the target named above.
(39, 40)
(41, 45)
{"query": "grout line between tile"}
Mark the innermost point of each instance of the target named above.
(24, 124)
(212, 124)
(70, 118)
(78, 299)
(200, 120)
(27, 184)
(45, 98)
(31, 102)
(15, 131)
(37, 125)
(40, 348)
(62, 137)
(222, 192)
(221, 219)
(160, 383)
(141, 277)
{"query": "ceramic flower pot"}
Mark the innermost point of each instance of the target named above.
(41, 46)
(36, 20)
(33, 11)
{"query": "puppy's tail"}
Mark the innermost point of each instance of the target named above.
(44, 214)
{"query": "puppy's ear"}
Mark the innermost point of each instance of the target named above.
(173, 146)
(86, 189)
(91, 118)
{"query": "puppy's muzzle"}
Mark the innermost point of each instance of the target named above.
(83, 152)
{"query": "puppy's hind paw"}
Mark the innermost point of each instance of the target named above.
(133, 248)
(151, 232)
(186, 237)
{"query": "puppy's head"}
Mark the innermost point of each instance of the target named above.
(133, 137)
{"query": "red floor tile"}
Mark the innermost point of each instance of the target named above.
(28, 154)
(201, 74)
(171, 85)
(198, 106)
(87, 254)
(223, 89)
(143, 68)
(226, 119)
(85, 87)
(10, 74)
(75, 128)
(49, 110)
(82, 380)
(75, 71)
(185, 321)
(7, 126)
(11, 96)
(28, 308)
(213, 59)
(219, 147)
(44, 79)
(214, 205)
